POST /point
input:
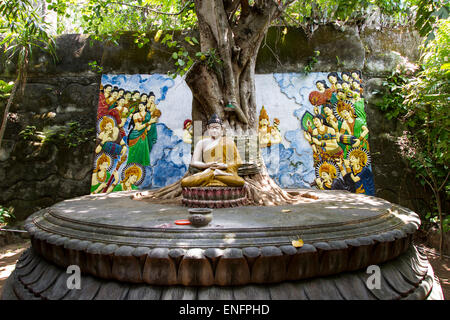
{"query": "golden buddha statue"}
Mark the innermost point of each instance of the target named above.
(263, 128)
(218, 158)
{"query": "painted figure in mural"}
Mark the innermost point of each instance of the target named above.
(140, 141)
(155, 113)
(131, 176)
(102, 104)
(115, 110)
(122, 110)
(356, 75)
(151, 105)
(144, 98)
(113, 97)
(356, 86)
(346, 76)
(324, 137)
(351, 126)
(333, 78)
(134, 102)
(327, 174)
(330, 117)
(218, 158)
(127, 96)
(109, 135)
(356, 167)
(187, 131)
(101, 176)
(328, 177)
(356, 91)
(340, 95)
(263, 128)
(121, 93)
(275, 134)
(321, 96)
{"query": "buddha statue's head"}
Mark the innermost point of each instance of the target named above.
(215, 126)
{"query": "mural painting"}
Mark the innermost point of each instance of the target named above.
(337, 132)
(138, 146)
(327, 147)
(312, 131)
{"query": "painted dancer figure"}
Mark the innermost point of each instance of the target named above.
(140, 141)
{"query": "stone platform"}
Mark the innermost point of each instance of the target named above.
(245, 252)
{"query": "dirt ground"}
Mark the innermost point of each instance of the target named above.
(10, 254)
(441, 268)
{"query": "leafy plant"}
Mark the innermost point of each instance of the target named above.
(95, 67)
(428, 14)
(312, 60)
(182, 59)
(23, 30)
(6, 214)
(5, 89)
(419, 97)
(72, 135)
(29, 133)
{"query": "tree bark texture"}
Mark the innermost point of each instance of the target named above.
(236, 44)
(235, 41)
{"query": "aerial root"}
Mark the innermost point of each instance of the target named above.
(260, 188)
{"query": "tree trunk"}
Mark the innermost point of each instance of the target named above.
(224, 83)
(441, 223)
(8, 106)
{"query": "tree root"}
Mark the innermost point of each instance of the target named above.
(260, 188)
(263, 191)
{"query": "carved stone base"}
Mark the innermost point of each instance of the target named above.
(214, 197)
(130, 249)
(409, 277)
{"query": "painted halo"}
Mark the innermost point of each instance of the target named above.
(137, 165)
(337, 112)
(99, 122)
(319, 165)
(361, 151)
(111, 161)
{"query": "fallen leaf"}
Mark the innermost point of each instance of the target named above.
(297, 243)
(286, 210)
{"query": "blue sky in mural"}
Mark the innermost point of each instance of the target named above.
(297, 86)
(292, 166)
(169, 159)
(287, 168)
(144, 83)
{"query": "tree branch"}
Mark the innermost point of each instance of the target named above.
(245, 8)
(230, 7)
(154, 10)
(429, 183)
(445, 180)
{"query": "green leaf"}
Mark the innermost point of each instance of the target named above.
(180, 62)
(445, 66)
(174, 55)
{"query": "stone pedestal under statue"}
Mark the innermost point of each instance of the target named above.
(130, 249)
